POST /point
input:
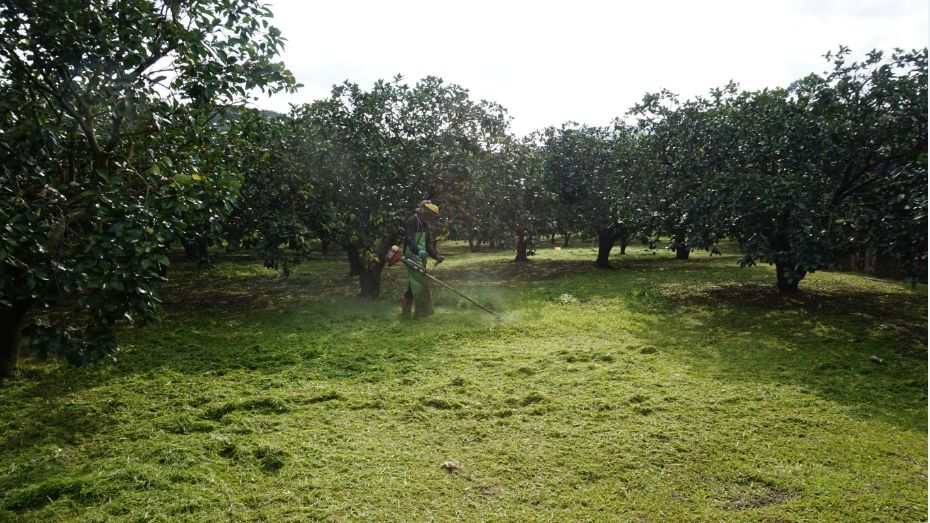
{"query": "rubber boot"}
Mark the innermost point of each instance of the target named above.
(407, 304)
(424, 302)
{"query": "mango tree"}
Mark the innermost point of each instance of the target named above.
(516, 199)
(686, 151)
(382, 151)
(282, 201)
(593, 176)
(830, 165)
(106, 148)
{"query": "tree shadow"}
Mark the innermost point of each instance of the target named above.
(265, 326)
(866, 349)
(872, 309)
(324, 341)
(859, 343)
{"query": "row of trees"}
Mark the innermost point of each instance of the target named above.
(800, 177)
(123, 132)
(349, 169)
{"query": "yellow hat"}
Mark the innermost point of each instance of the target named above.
(426, 204)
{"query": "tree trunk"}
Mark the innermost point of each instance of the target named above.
(552, 238)
(355, 264)
(605, 242)
(370, 280)
(788, 277)
(11, 322)
(521, 249)
(195, 249)
(367, 269)
(324, 246)
(682, 251)
(190, 250)
(473, 245)
(566, 238)
(624, 238)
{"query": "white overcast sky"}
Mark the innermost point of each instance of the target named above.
(579, 60)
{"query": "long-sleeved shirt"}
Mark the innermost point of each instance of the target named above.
(414, 225)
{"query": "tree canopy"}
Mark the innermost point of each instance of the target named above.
(109, 146)
(124, 131)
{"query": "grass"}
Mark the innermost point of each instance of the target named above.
(661, 390)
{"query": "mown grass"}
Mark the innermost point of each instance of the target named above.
(661, 390)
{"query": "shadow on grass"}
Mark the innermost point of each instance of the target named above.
(314, 342)
(860, 348)
(861, 344)
(722, 320)
(217, 322)
(539, 269)
(862, 310)
(216, 290)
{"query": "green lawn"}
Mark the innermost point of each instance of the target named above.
(659, 391)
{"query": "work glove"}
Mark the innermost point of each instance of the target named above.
(422, 255)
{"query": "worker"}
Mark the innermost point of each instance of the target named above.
(418, 244)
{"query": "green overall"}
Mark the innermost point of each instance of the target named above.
(418, 283)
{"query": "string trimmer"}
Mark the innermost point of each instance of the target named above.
(394, 255)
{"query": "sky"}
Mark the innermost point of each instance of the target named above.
(578, 60)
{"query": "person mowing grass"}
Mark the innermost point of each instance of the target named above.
(418, 243)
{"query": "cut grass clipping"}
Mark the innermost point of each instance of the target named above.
(662, 390)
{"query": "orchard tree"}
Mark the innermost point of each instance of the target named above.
(885, 204)
(107, 149)
(471, 208)
(517, 202)
(282, 201)
(631, 184)
(381, 152)
(471, 214)
(593, 172)
(833, 164)
(775, 187)
(686, 148)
